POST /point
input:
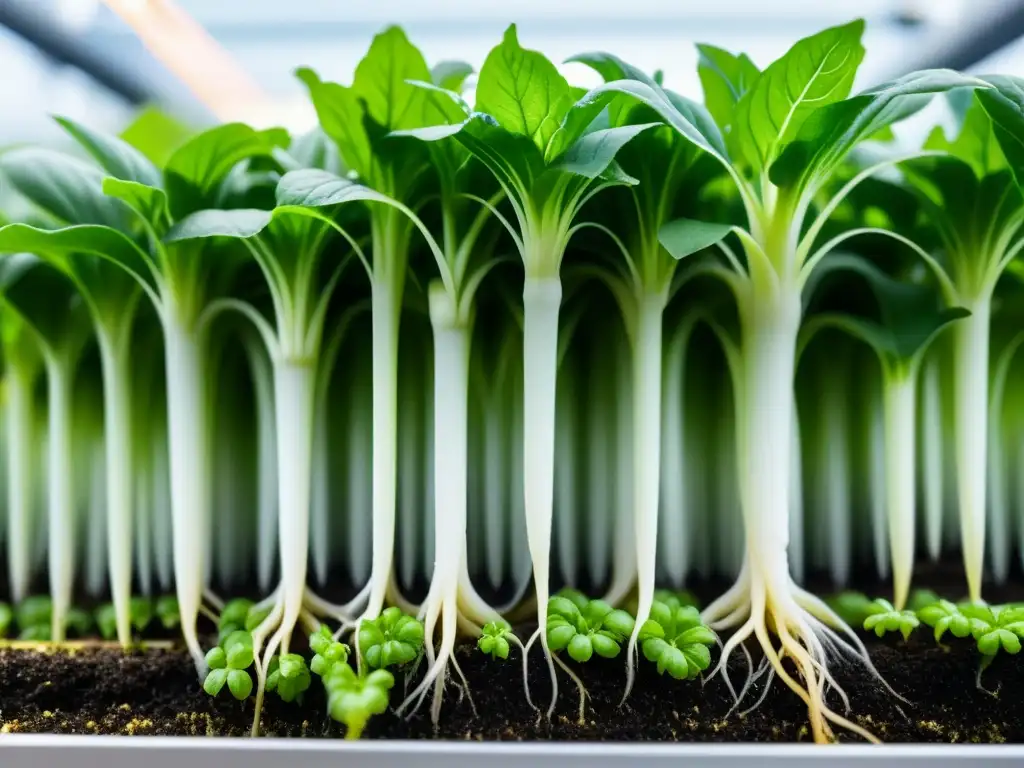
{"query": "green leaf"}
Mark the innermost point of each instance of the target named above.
(975, 143)
(450, 75)
(673, 661)
(63, 186)
(240, 684)
(830, 132)
(216, 658)
(313, 188)
(604, 645)
(580, 648)
(116, 156)
(238, 222)
(156, 135)
(593, 153)
(698, 658)
(684, 237)
(815, 72)
(523, 91)
(340, 112)
(215, 679)
(150, 202)
(1004, 104)
(196, 169)
(381, 81)
(725, 78)
(619, 622)
(559, 637)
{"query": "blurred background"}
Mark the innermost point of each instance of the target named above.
(81, 58)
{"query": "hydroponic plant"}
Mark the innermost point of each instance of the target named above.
(478, 328)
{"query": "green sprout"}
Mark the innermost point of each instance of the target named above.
(995, 628)
(585, 627)
(352, 699)
(494, 639)
(167, 612)
(141, 610)
(392, 639)
(683, 596)
(327, 651)
(228, 663)
(33, 616)
(944, 616)
(883, 617)
(921, 598)
(288, 675)
(106, 621)
(233, 617)
(6, 618)
(676, 639)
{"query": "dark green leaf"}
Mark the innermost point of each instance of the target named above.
(239, 222)
(116, 156)
(684, 237)
(1005, 106)
(725, 78)
(592, 154)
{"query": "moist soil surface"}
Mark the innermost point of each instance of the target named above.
(102, 690)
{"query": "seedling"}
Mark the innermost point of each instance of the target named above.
(288, 675)
(494, 639)
(852, 607)
(229, 663)
(883, 617)
(584, 627)
(390, 640)
(33, 618)
(327, 650)
(676, 640)
(945, 616)
(353, 699)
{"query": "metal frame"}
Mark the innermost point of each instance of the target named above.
(33, 751)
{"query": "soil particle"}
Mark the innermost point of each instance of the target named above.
(156, 692)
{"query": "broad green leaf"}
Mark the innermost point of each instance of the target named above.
(975, 143)
(63, 186)
(684, 237)
(1004, 104)
(523, 91)
(150, 202)
(592, 154)
(240, 222)
(313, 188)
(381, 81)
(815, 72)
(89, 239)
(313, 149)
(829, 133)
(197, 168)
(156, 135)
(725, 78)
(45, 298)
(340, 113)
(116, 156)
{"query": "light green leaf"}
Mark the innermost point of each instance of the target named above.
(684, 237)
(593, 154)
(116, 156)
(450, 75)
(815, 72)
(156, 135)
(975, 143)
(1005, 106)
(523, 91)
(381, 81)
(340, 113)
(239, 222)
(725, 78)
(150, 202)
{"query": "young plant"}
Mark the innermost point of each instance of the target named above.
(676, 640)
(944, 616)
(229, 663)
(883, 617)
(353, 699)
(112, 247)
(33, 615)
(789, 130)
(327, 652)
(495, 638)
(289, 676)
(549, 158)
(909, 319)
(390, 640)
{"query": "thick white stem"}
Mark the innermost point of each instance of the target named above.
(295, 390)
(765, 416)
(187, 422)
(409, 506)
(266, 462)
(61, 494)
(878, 485)
(673, 540)
(385, 439)
(96, 516)
(900, 391)
(20, 485)
(542, 298)
(360, 486)
(624, 566)
(932, 456)
(319, 513)
(117, 420)
(971, 412)
(163, 532)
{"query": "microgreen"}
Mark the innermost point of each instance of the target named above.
(353, 699)
(883, 617)
(584, 627)
(288, 675)
(390, 640)
(327, 652)
(228, 663)
(676, 640)
(494, 639)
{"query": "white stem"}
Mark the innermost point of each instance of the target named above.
(496, 478)
(60, 493)
(360, 491)
(144, 526)
(541, 301)
(385, 439)
(566, 442)
(266, 461)
(624, 566)
(796, 501)
(295, 392)
(900, 413)
(971, 352)
(163, 533)
(319, 513)
(673, 539)
(931, 456)
(410, 467)
(765, 416)
(20, 426)
(187, 423)
(117, 430)
(601, 507)
(878, 485)
(96, 517)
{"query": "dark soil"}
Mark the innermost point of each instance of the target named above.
(155, 692)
